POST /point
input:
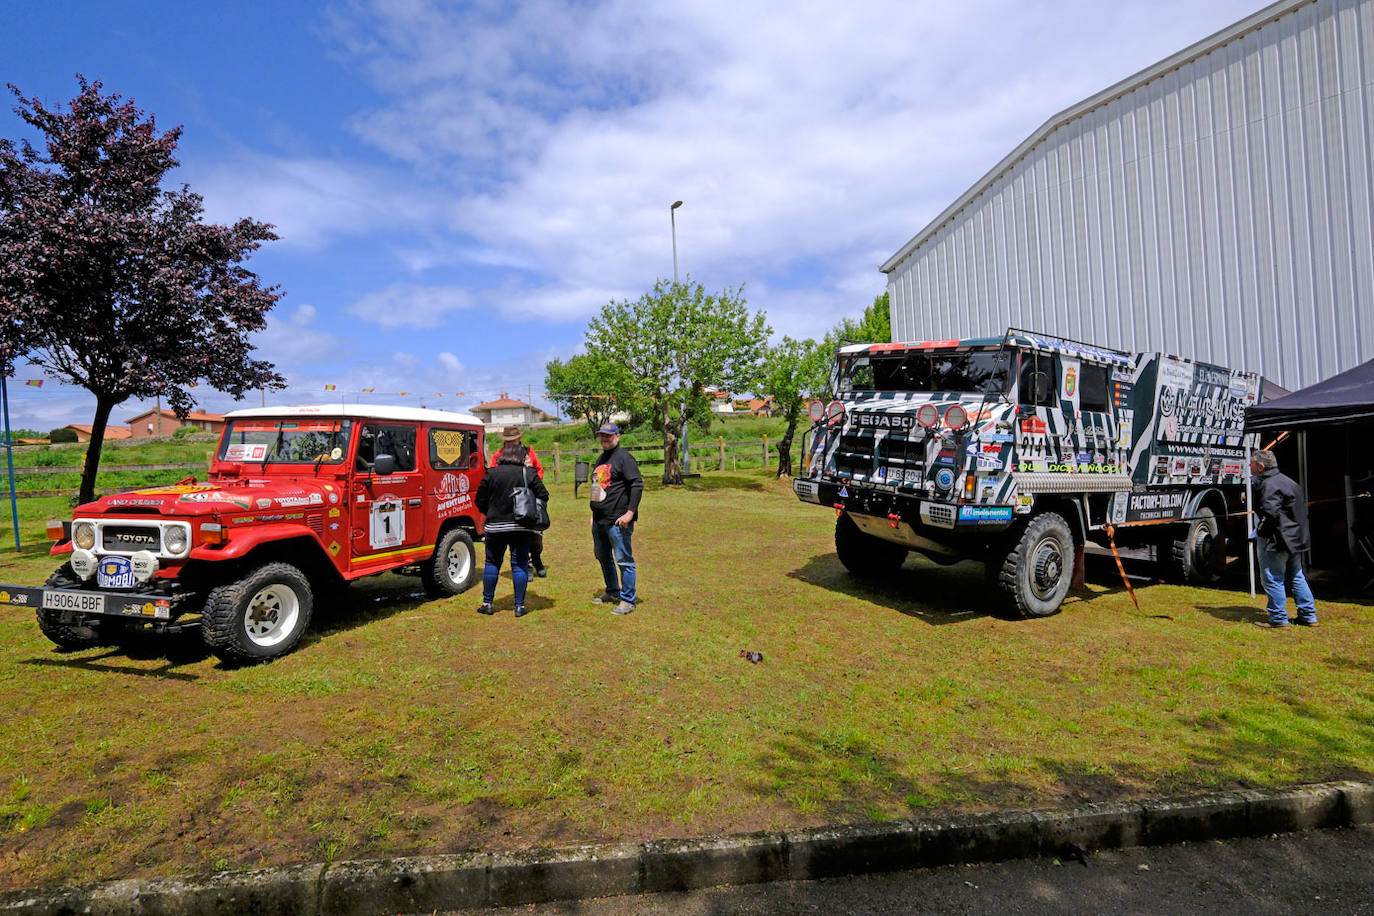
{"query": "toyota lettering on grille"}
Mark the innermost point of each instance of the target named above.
(132, 539)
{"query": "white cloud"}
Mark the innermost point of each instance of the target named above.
(405, 305)
(809, 141)
(291, 341)
(310, 200)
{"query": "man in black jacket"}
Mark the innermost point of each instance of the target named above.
(616, 489)
(1281, 536)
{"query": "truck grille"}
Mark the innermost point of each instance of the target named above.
(854, 456)
(131, 538)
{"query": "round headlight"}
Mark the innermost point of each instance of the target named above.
(174, 540)
(956, 417)
(83, 535)
(835, 410)
(928, 415)
(816, 410)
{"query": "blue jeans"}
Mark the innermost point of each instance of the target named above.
(611, 544)
(1280, 570)
(519, 544)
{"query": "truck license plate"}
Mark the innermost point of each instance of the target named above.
(74, 601)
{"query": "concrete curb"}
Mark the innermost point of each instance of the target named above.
(536, 876)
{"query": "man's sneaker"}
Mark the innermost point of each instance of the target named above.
(486, 609)
(541, 571)
(624, 607)
(521, 610)
(606, 598)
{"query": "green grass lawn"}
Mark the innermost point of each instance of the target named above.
(405, 726)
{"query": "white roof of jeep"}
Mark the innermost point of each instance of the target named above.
(359, 412)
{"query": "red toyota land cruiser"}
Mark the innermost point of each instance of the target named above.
(299, 501)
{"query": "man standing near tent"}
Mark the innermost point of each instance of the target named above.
(1281, 536)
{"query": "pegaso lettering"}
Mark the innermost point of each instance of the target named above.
(883, 420)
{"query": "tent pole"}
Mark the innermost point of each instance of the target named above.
(1302, 482)
(1349, 496)
(9, 459)
(1249, 528)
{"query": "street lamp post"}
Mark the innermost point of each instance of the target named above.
(672, 216)
(686, 455)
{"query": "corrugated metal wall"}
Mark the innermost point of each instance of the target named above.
(1219, 209)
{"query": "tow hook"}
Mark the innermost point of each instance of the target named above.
(892, 519)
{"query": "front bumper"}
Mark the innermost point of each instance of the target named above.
(92, 602)
(895, 507)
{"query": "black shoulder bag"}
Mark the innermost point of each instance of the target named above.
(529, 510)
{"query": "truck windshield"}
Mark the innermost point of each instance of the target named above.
(305, 441)
(975, 371)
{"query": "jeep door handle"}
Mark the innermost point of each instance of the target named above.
(415, 501)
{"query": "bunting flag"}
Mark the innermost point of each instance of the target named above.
(34, 383)
(402, 394)
(328, 387)
(368, 390)
(194, 385)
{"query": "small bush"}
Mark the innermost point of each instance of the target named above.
(184, 431)
(62, 435)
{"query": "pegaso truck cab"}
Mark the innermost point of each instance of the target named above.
(1017, 450)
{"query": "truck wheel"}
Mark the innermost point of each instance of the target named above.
(453, 569)
(1039, 568)
(261, 616)
(865, 556)
(1197, 555)
(66, 635)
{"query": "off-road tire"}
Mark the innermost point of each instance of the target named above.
(1196, 556)
(865, 556)
(259, 617)
(66, 635)
(453, 568)
(1036, 574)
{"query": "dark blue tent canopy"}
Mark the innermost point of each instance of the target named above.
(1340, 399)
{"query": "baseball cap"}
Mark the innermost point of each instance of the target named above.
(610, 429)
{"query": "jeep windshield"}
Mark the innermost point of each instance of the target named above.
(973, 371)
(302, 441)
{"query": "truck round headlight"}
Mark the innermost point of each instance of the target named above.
(83, 534)
(174, 540)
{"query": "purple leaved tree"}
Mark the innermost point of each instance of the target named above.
(111, 282)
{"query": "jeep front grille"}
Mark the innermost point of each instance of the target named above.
(130, 539)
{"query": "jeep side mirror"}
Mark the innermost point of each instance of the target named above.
(384, 464)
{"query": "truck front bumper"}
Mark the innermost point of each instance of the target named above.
(898, 508)
(92, 602)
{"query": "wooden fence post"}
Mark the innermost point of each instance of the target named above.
(765, 450)
(557, 462)
(720, 444)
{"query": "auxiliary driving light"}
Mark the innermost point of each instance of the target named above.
(144, 564)
(928, 415)
(83, 563)
(956, 417)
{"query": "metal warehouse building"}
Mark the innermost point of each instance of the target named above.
(1218, 205)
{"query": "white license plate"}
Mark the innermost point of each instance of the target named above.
(74, 601)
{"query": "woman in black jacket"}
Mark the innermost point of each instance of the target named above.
(495, 501)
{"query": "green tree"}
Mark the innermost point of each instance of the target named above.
(793, 372)
(874, 326)
(590, 387)
(674, 341)
(112, 283)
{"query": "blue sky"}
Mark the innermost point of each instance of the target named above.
(459, 187)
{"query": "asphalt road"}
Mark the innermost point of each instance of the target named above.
(1324, 871)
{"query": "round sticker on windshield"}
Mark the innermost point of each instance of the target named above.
(336, 454)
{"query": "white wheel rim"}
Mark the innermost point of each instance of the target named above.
(272, 615)
(459, 562)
